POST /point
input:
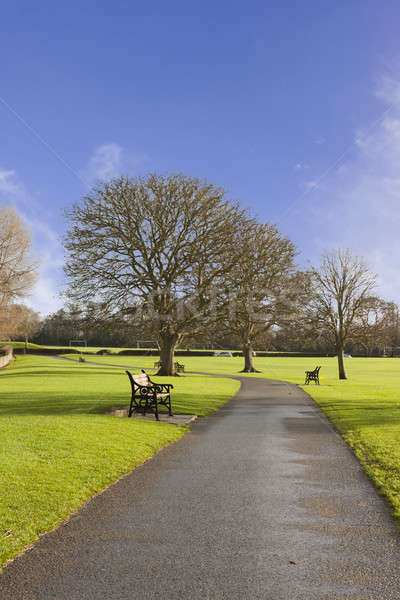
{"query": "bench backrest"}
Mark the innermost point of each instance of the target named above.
(139, 380)
(315, 372)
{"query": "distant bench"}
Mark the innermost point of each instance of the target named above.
(312, 376)
(179, 367)
(147, 395)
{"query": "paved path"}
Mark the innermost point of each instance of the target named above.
(262, 500)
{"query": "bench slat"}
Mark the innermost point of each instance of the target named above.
(141, 379)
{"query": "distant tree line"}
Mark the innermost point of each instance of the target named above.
(375, 333)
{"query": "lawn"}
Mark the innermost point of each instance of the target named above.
(365, 408)
(57, 449)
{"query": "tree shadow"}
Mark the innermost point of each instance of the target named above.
(58, 404)
(64, 391)
(356, 415)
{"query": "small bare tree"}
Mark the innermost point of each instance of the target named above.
(259, 286)
(27, 322)
(18, 321)
(341, 285)
(158, 243)
(17, 269)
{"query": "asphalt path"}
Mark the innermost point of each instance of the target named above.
(261, 500)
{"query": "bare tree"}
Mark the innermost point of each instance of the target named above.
(376, 329)
(341, 285)
(17, 269)
(260, 287)
(18, 321)
(158, 243)
(27, 322)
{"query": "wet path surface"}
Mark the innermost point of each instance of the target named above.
(262, 500)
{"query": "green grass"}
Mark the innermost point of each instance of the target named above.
(56, 450)
(365, 408)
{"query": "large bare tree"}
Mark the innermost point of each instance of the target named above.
(341, 285)
(261, 285)
(17, 269)
(159, 243)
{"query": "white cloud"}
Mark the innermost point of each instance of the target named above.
(319, 140)
(12, 191)
(388, 90)
(45, 296)
(300, 166)
(359, 204)
(106, 161)
(8, 185)
(110, 160)
(312, 184)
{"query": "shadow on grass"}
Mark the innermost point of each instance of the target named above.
(355, 415)
(62, 372)
(61, 391)
(59, 404)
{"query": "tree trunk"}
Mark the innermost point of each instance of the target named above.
(167, 355)
(340, 355)
(248, 359)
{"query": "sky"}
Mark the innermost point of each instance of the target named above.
(292, 106)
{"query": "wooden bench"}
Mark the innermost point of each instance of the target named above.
(312, 376)
(179, 367)
(147, 395)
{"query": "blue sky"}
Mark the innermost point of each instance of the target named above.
(293, 107)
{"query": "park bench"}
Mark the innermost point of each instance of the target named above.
(313, 376)
(179, 367)
(147, 395)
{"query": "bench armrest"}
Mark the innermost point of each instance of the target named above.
(147, 390)
(162, 386)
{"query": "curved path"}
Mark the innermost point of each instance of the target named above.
(262, 500)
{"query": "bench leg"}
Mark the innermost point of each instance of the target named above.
(170, 407)
(130, 408)
(156, 411)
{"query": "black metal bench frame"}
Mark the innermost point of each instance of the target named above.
(312, 376)
(147, 395)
